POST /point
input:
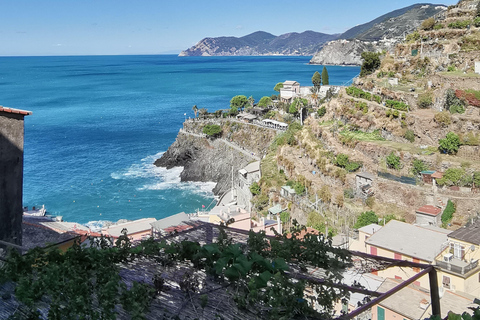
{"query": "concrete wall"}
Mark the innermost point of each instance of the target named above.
(477, 67)
(11, 177)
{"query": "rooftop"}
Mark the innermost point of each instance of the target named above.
(470, 233)
(131, 226)
(175, 220)
(370, 229)
(429, 210)
(16, 111)
(410, 240)
(366, 175)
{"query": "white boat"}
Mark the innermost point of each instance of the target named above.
(35, 212)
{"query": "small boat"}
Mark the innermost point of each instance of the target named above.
(35, 212)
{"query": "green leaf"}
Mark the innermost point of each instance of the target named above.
(280, 264)
(232, 273)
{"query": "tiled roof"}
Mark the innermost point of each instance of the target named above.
(16, 111)
(430, 210)
(437, 175)
(132, 227)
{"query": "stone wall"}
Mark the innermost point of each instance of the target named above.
(11, 177)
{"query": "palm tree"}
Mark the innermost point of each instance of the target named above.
(202, 112)
(195, 110)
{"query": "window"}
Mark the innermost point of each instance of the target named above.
(398, 277)
(380, 313)
(446, 282)
(373, 251)
(417, 270)
(397, 256)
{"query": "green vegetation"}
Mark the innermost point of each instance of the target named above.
(447, 214)
(325, 79)
(453, 103)
(409, 135)
(265, 102)
(195, 110)
(255, 188)
(476, 22)
(316, 79)
(288, 137)
(297, 186)
(316, 221)
(425, 100)
(471, 96)
(366, 218)
(362, 106)
(321, 111)
(428, 24)
(397, 105)
(455, 177)
(362, 136)
(418, 166)
(460, 24)
(278, 86)
(359, 93)
(443, 118)
(393, 161)
(239, 102)
(212, 130)
(438, 26)
(343, 162)
(449, 144)
(284, 217)
(412, 37)
(371, 62)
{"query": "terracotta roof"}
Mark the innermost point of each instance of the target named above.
(17, 111)
(430, 210)
(437, 175)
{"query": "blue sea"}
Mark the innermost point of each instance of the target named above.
(99, 123)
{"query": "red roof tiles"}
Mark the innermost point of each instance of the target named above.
(430, 210)
(17, 111)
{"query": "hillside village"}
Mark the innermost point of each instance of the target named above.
(388, 168)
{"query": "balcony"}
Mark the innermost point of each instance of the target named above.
(457, 266)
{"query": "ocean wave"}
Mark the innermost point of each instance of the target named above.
(96, 226)
(201, 188)
(145, 169)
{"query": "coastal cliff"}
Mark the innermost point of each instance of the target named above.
(205, 159)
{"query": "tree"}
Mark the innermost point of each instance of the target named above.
(292, 109)
(284, 216)
(239, 102)
(450, 144)
(366, 218)
(418, 166)
(316, 79)
(371, 62)
(325, 76)
(447, 214)
(278, 86)
(265, 102)
(195, 110)
(202, 112)
(393, 161)
(212, 130)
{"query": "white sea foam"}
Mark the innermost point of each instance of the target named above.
(96, 226)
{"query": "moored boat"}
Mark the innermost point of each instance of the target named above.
(35, 212)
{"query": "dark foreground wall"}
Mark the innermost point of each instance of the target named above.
(11, 176)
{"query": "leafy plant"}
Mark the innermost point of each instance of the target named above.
(460, 24)
(443, 118)
(366, 218)
(393, 161)
(449, 144)
(371, 62)
(321, 111)
(425, 100)
(418, 166)
(255, 188)
(409, 135)
(212, 130)
(447, 214)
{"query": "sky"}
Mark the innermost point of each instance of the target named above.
(112, 27)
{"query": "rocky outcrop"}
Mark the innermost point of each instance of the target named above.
(345, 52)
(261, 43)
(204, 160)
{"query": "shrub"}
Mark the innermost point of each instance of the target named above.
(393, 161)
(451, 68)
(284, 216)
(443, 117)
(371, 62)
(398, 105)
(476, 22)
(472, 97)
(366, 218)
(457, 109)
(428, 24)
(388, 113)
(425, 100)
(409, 135)
(255, 188)
(453, 103)
(461, 24)
(470, 139)
(404, 116)
(395, 113)
(450, 144)
(447, 214)
(412, 37)
(452, 177)
(418, 166)
(350, 193)
(265, 102)
(438, 26)
(476, 179)
(212, 130)
(325, 194)
(321, 111)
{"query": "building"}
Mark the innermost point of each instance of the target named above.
(413, 302)
(136, 230)
(459, 258)
(477, 67)
(288, 193)
(427, 176)
(177, 222)
(429, 215)
(290, 90)
(420, 244)
(364, 183)
(246, 177)
(11, 174)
